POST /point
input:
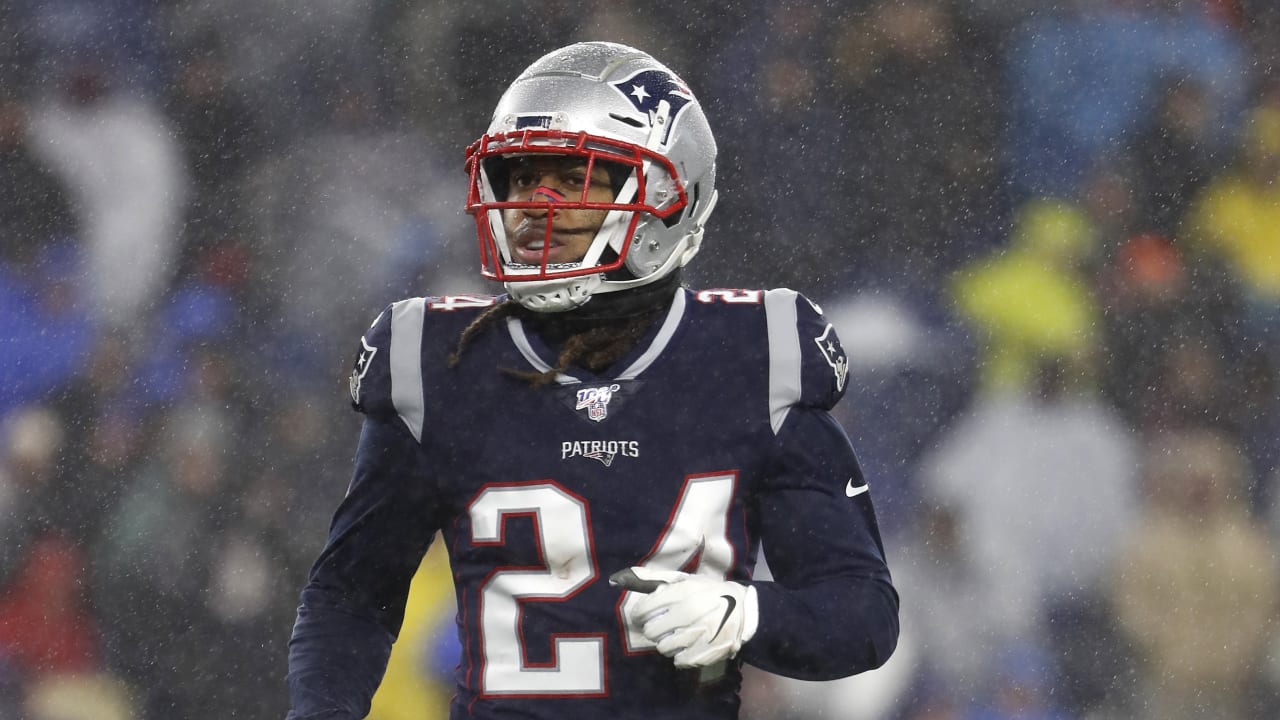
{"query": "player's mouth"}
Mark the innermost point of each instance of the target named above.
(534, 248)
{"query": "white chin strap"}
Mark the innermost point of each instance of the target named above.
(553, 296)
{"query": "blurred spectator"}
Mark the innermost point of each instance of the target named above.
(1155, 302)
(1032, 299)
(1196, 583)
(635, 25)
(1236, 221)
(1258, 427)
(917, 175)
(1109, 199)
(219, 137)
(290, 481)
(37, 211)
(44, 333)
(1084, 77)
(784, 128)
(1260, 22)
(946, 612)
(79, 697)
(1024, 687)
(113, 428)
(47, 626)
(1174, 154)
(1039, 486)
(31, 442)
(448, 49)
(374, 209)
(116, 153)
(120, 35)
(280, 55)
(178, 546)
(1191, 389)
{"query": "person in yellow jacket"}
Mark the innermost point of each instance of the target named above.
(1032, 299)
(1236, 218)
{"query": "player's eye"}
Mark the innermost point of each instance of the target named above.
(524, 180)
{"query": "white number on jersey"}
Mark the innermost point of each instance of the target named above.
(459, 302)
(698, 529)
(732, 297)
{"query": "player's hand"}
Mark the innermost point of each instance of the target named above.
(694, 620)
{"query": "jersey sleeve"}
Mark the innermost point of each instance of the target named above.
(830, 609)
(386, 377)
(354, 601)
(807, 365)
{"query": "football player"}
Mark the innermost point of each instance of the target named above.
(604, 451)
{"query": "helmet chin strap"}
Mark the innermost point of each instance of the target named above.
(554, 296)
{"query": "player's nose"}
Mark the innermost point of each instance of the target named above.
(546, 191)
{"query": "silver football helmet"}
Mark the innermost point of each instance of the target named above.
(610, 105)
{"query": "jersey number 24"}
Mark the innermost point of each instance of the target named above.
(698, 526)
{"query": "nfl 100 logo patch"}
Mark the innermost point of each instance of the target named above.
(595, 401)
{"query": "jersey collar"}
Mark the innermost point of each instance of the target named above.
(648, 350)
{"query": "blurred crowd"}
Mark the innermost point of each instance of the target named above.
(1048, 233)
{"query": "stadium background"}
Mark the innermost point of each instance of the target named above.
(1048, 232)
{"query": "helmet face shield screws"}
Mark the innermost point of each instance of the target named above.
(632, 166)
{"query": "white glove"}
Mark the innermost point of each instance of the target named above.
(694, 620)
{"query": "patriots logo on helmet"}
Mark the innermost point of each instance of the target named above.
(647, 88)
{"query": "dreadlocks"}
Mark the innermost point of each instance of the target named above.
(498, 312)
(594, 340)
(594, 349)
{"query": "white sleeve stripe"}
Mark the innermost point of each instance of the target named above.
(784, 354)
(406, 363)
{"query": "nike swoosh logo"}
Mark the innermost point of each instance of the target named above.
(852, 491)
(727, 611)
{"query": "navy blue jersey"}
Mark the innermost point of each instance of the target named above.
(710, 440)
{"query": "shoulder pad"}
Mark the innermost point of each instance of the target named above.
(807, 365)
(370, 380)
(387, 376)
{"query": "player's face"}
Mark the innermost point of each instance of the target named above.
(554, 178)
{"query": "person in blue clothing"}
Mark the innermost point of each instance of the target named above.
(604, 452)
